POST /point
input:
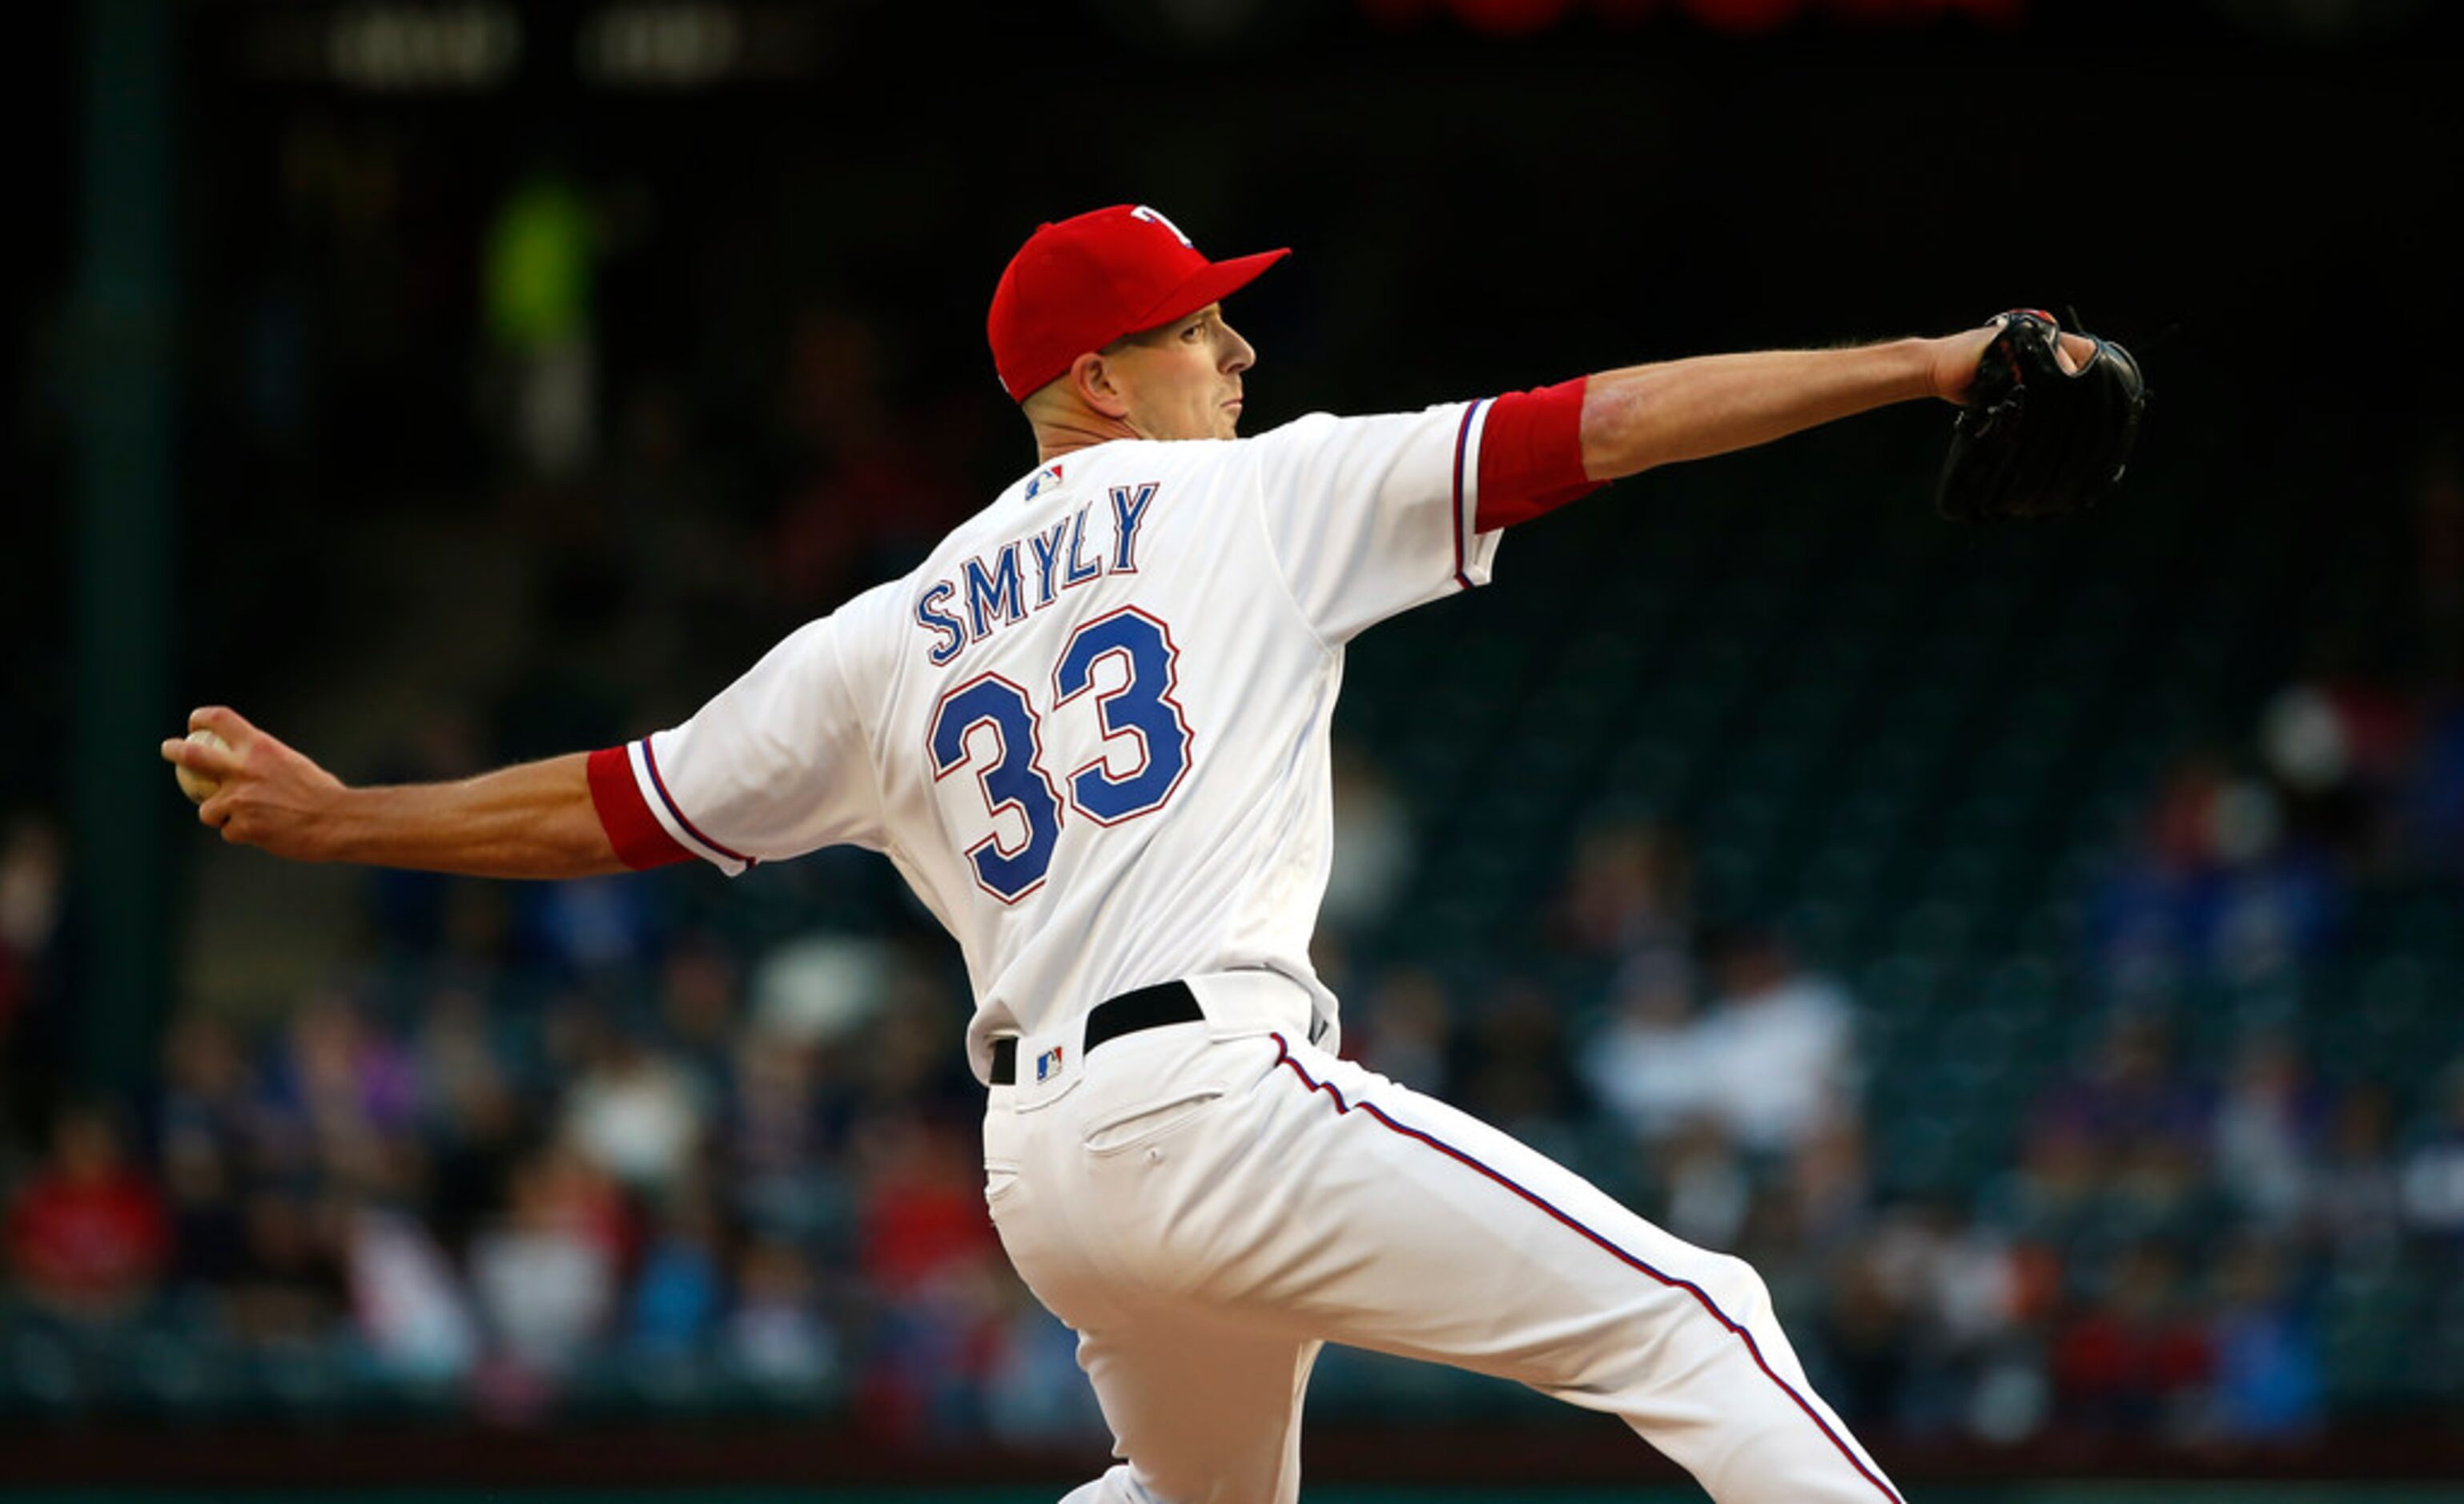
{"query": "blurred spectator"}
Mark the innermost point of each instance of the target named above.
(685, 544)
(1403, 1029)
(1774, 1051)
(339, 1087)
(2338, 744)
(470, 1117)
(32, 863)
(591, 926)
(1644, 1063)
(931, 1263)
(2213, 893)
(775, 1336)
(923, 1215)
(1864, 1334)
(545, 1276)
(2058, 1177)
(1373, 851)
(2269, 1131)
(911, 1058)
(2280, 906)
(88, 1236)
(1710, 1192)
(881, 487)
(291, 1289)
(207, 1121)
(2431, 1177)
(2137, 1358)
(2355, 1207)
(1630, 892)
(2146, 917)
(1957, 1302)
(818, 987)
(209, 1084)
(779, 1144)
(1513, 1069)
(1827, 1183)
(679, 1294)
(2128, 1136)
(33, 1025)
(542, 253)
(411, 1310)
(2267, 1385)
(700, 992)
(634, 1114)
(2431, 803)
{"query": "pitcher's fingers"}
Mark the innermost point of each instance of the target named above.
(215, 809)
(222, 722)
(201, 756)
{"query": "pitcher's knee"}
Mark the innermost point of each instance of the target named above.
(1735, 1289)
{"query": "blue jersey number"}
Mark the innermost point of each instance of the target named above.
(1013, 780)
(1140, 710)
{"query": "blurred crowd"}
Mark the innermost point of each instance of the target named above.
(506, 1183)
(2161, 1243)
(682, 1144)
(550, 1146)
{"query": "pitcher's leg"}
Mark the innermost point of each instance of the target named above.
(1203, 1413)
(1205, 1404)
(1457, 1242)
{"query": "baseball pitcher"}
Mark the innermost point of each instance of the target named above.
(1091, 730)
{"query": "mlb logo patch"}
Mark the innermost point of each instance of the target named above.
(1048, 476)
(1047, 1065)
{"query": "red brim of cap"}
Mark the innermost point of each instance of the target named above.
(1211, 284)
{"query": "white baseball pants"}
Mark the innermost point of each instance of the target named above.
(1207, 1204)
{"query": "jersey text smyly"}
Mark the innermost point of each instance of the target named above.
(991, 591)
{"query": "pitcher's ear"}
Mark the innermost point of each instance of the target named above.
(1093, 377)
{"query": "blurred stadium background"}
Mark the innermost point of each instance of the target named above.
(2040, 951)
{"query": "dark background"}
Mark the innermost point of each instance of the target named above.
(327, 511)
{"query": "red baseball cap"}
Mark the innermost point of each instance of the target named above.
(1079, 285)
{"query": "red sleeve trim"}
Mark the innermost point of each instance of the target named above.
(640, 841)
(1531, 454)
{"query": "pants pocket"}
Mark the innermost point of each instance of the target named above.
(1150, 1120)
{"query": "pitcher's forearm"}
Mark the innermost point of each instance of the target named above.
(1647, 416)
(535, 820)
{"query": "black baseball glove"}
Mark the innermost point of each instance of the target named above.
(2035, 440)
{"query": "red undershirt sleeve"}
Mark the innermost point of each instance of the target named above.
(1531, 454)
(640, 841)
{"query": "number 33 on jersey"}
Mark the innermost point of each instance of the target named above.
(1138, 712)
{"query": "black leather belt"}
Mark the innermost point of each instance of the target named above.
(1147, 1008)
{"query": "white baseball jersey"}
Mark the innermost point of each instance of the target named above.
(1092, 728)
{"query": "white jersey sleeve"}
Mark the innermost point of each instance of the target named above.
(778, 764)
(1369, 517)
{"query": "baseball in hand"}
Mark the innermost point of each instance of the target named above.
(198, 786)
